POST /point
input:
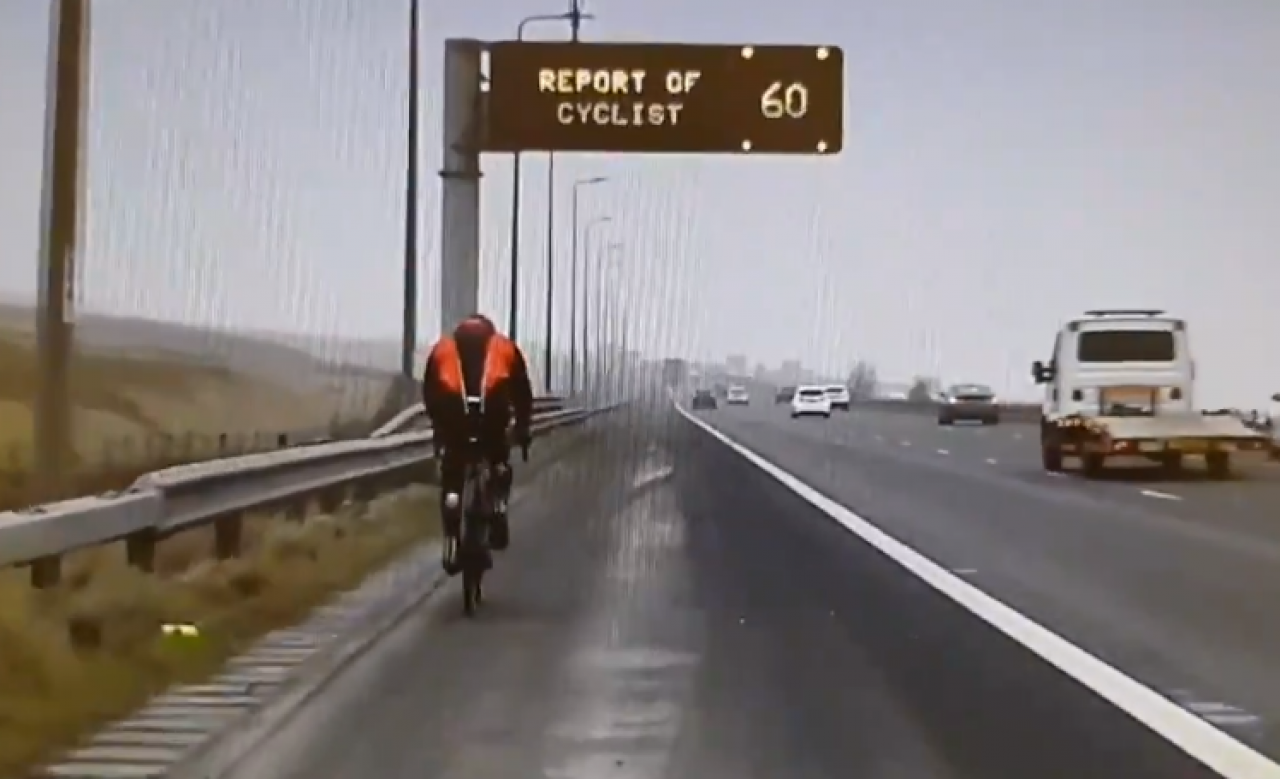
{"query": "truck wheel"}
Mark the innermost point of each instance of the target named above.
(1171, 464)
(1218, 464)
(1093, 465)
(1051, 458)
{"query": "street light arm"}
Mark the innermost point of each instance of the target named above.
(543, 18)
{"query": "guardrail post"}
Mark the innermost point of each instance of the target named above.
(296, 511)
(228, 536)
(330, 500)
(365, 490)
(46, 572)
(140, 550)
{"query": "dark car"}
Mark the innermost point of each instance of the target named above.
(784, 395)
(703, 399)
(968, 402)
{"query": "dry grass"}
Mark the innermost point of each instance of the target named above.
(92, 650)
(132, 415)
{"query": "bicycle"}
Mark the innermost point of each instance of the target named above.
(477, 510)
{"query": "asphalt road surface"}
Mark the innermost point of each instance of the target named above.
(1174, 582)
(668, 611)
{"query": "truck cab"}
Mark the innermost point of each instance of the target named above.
(1119, 363)
(1121, 385)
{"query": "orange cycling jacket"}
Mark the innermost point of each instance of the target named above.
(489, 366)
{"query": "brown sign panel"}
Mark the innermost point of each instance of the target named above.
(664, 98)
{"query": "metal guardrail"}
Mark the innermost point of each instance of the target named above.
(221, 493)
(412, 416)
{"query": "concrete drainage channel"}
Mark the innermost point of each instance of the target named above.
(202, 731)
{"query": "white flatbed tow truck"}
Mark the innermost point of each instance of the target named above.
(1120, 388)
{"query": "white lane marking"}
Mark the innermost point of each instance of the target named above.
(904, 443)
(964, 571)
(1017, 436)
(943, 451)
(991, 461)
(1198, 738)
(880, 438)
(1159, 495)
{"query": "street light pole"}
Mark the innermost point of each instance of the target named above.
(574, 18)
(549, 356)
(587, 296)
(605, 265)
(409, 326)
(61, 217)
(573, 279)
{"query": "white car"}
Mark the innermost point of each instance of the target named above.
(737, 396)
(838, 394)
(810, 402)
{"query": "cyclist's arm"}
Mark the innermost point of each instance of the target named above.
(521, 388)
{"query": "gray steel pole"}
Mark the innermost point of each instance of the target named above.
(460, 209)
(61, 219)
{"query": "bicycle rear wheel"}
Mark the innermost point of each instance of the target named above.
(471, 576)
(474, 561)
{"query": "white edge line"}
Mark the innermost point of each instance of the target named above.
(1195, 736)
(1160, 495)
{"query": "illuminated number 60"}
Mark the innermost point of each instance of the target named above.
(778, 101)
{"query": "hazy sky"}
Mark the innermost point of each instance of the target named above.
(1008, 163)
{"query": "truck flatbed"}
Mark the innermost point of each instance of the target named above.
(1179, 426)
(1164, 439)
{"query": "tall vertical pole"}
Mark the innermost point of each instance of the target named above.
(551, 261)
(575, 19)
(409, 327)
(573, 292)
(588, 377)
(61, 219)
(460, 209)
(575, 27)
(515, 223)
(513, 312)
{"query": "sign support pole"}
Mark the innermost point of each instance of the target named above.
(460, 208)
(61, 222)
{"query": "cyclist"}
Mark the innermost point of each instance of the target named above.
(476, 362)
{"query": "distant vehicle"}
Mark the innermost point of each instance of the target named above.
(1272, 425)
(703, 399)
(968, 402)
(675, 371)
(784, 395)
(738, 396)
(1121, 386)
(838, 394)
(811, 402)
